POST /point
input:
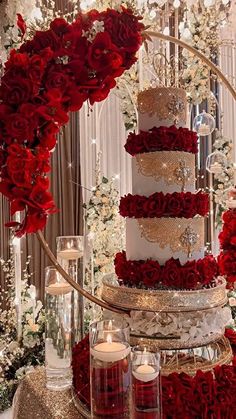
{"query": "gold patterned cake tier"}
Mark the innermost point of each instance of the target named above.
(163, 104)
(162, 300)
(172, 167)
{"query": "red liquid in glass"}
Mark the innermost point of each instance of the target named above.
(145, 399)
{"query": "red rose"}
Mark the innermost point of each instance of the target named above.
(208, 269)
(151, 273)
(16, 91)
(191, 277)
(224, 238)
(57, 80)
(154, 206)
(189, 205)
(124, 29)
(59, 26)
(21, 24)
(41, 198)
(231, 335)
(229, 215)
(202, 203)
(99, 51)
(205, 388)
(174, 203)
(36, 68)
(227, 262)
(20, 128)
(171, 275)
(44, 40)
(120, 263)
(17, 59)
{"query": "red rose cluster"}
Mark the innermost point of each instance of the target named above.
(177, 204)
(48, 77)
(162, 139)
(227, 238)
(150, 274)
(205, 395)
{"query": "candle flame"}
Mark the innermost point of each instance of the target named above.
(110, 325)
(109, 338)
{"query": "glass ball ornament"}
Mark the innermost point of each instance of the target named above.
(216, 162)
(204, 124)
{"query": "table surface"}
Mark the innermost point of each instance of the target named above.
(33, 400)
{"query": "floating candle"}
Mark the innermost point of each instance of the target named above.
(69, 254)
(59, 288)
(145, 373)
(203, 129)
(110, 351)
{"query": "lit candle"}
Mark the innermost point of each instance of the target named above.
(216, 168)
(145, 373)
(69, 254)
(110, 351)
(203, 129)
(59, 288)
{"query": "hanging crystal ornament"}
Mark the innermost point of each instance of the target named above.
(188, 239)
(204, 124)
(216, 162)
(183, 174)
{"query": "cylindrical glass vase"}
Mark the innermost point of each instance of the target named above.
(58, 331)
(70, 250)
(146, 400)
(110, 370)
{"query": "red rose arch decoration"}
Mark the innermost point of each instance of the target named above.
(49, 76)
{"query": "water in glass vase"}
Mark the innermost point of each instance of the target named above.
(58, 336)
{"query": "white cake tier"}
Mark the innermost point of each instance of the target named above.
(163, 238)
(163, 171)
(162, 106)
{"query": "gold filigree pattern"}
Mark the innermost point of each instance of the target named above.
(164, 103)
(170, 232)
(174, 167)
(162, 300)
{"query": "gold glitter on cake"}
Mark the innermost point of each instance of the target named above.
(180, 234)
(173, 167)
(164, 103)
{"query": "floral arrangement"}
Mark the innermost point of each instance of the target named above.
(224, 180)
(49, 76)
(204, 395)
(106, 235)
(18, 357)
(176, 204)
(227, 239)
(201, 29)
(172, 275)
(162, 139)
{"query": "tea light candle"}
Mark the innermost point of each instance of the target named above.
(110, 351)
(216, 168)
(145, 373)
(203, 129)
(59, 288)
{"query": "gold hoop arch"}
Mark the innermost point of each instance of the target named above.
(39, 234)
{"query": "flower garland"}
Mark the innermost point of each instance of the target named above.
(227, 238)
(18, 358)
(150, 274)
(162, 139)
(176, 204)
(201, 28)
(106, 236)
(224, 180)
(49, 76)
(204, 395)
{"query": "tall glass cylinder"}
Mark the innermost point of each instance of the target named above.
(58, 331)
(110, 370)
(70, 250)
(146, 401)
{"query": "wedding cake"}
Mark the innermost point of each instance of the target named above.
(173, 292)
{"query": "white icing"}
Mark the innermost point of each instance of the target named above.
(138, 247)
(147, 122)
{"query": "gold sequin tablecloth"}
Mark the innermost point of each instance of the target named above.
(33, 400)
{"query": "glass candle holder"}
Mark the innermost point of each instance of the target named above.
(70, 250)
(146, 401)
(58, 331)
(110, 370)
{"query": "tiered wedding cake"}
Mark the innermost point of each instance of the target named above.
(173, 292)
